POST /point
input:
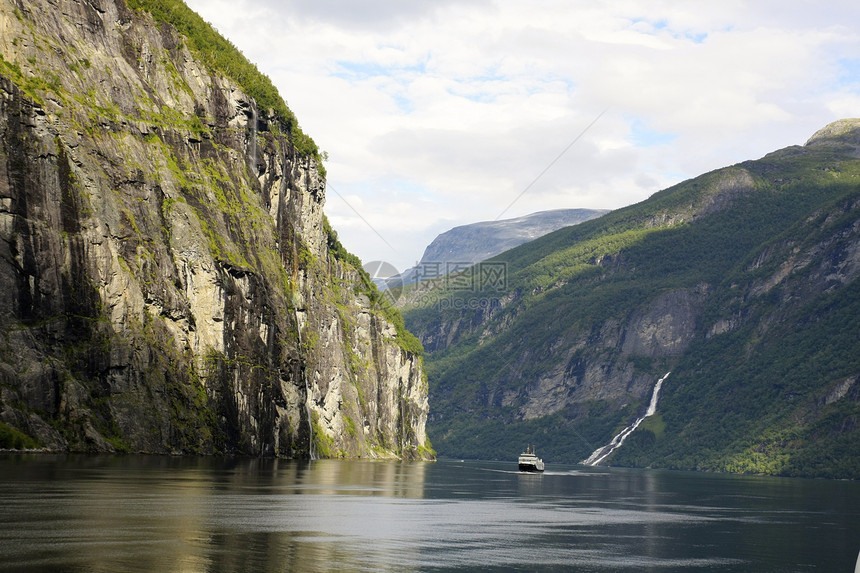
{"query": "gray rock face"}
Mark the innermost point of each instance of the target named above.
(166, 283)
(600, 366)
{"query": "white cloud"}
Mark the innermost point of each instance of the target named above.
(437, 114)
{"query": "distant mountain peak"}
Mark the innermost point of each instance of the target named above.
(470, 244)
(476, 242)
(839, 132)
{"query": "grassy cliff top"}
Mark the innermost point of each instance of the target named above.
(220, 55)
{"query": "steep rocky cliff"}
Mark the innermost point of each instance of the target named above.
(742, 282)
(168, 282)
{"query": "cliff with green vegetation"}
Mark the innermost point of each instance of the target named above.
(743, 283)
(168, 281)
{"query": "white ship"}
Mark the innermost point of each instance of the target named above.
(529, 462)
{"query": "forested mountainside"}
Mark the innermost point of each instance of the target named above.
(168, 281)
(741, 284)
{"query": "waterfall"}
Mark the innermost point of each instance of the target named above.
(253, 142)
(603, 452)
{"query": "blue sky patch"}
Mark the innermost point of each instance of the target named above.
(360, 70)
(366, 70)
(663, 26)
(849, 72)
(404, 104)
(643, 136)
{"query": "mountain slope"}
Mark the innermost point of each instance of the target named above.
(168, 281)
(741, 282)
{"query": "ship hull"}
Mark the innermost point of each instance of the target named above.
(530, 468)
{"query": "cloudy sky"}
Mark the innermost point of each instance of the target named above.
(440, 113)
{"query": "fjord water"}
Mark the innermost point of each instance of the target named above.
(130, 513)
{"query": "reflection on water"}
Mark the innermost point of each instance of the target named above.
(192, 514)
(81, 513)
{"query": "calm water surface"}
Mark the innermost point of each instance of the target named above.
(77, 513)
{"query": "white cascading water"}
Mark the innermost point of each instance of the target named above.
(603, 452)
(253, 142)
